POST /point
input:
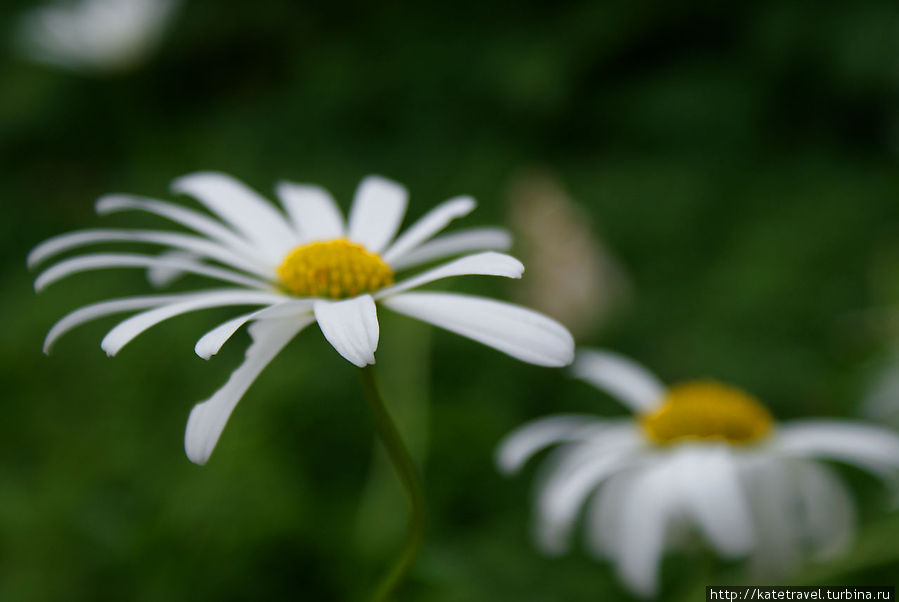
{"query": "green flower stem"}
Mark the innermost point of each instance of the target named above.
(405, 469)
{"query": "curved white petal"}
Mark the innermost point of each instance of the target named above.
(211, 342)
(243, 208)
(193, 244)
(770, 485)
(713, 496)
(873, 448)
(604, 534)
(377, 211)
(84, 263)
(351, 326)
(622, 378)
(480, 264)
(161, 276)
(828, 512)
(430, 224)
(207, 419)
(518, 446)
(104, 308)
(522, 333)
(312, 210)
(652, 502)
(574, 478)
(455, 243)
(125, 332)
(180, 215)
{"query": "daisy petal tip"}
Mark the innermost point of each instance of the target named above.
(107, 203)
(197, 443)
(203, 351)
(380, 182)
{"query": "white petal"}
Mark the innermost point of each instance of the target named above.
(870, 447)
(519, 332)
(193, 244)
(84, 263)
(770, 485)
(828, 512)
(456, 243)
(620, 377)
(243, 208)
(125, 332)
(351, 326)
(430, 224)
(479, 264)
(312, 210)
(211, 342)
(651, 503)
(712, 494)
(180, 215)
(604, 535)
(207, 419)
(522, 443)
(377, 211)
(574, 478)
(104, 308)
(161, 276)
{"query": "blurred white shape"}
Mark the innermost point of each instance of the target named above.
(682, 464)
(94, 36)
(572, 276)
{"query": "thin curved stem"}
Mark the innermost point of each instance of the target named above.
(405, 469)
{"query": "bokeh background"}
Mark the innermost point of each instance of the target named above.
(738, 161)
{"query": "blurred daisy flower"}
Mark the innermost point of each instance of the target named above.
(699, 456)
(99, 36)
(308, 266)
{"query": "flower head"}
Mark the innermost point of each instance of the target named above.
(699, 456)
(95, 35)
(308, 266)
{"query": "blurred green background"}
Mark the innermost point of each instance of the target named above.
(739, 159)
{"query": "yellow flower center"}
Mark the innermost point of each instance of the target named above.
(707, 410)
(335, 268)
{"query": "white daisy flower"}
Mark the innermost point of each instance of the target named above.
(699, 456)
(308, 266)
(95, 35)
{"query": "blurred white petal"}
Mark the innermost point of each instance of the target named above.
(619, 376)
(312, 210)
(84, 263)
(243, 208)
(195, 245)
(378, 209)
(714, 496)
(194, 220)
(652, 502)
(518, 446)
(95, 35)
(873, 448)
(828, 513)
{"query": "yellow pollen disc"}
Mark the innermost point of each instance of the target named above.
(707, 410)
(335, 268)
